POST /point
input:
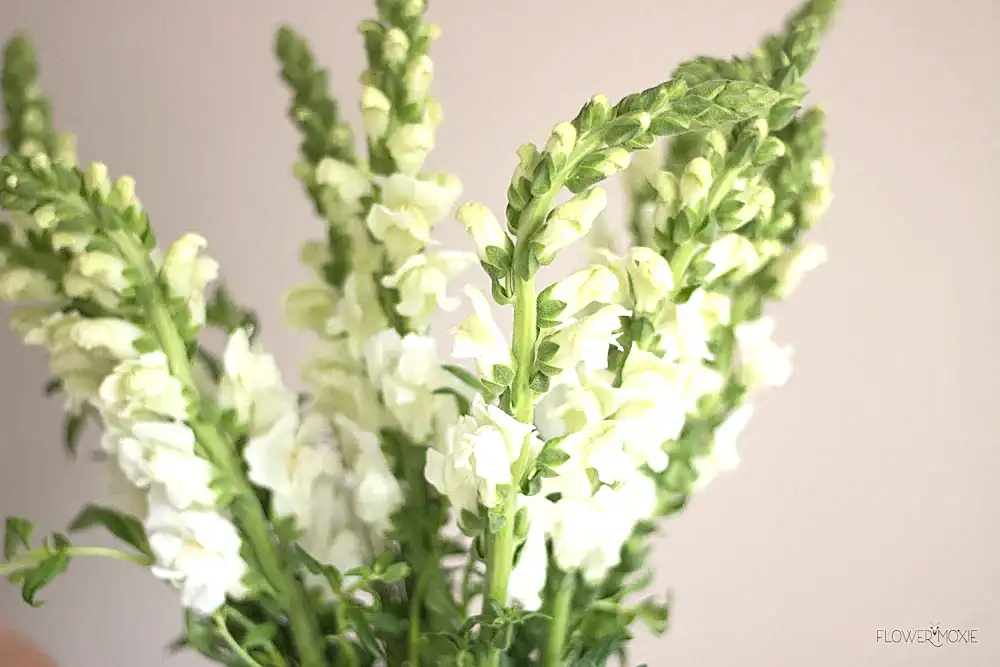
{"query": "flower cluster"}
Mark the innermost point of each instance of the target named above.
(316, 529)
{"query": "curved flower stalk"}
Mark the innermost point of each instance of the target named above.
(313, 530)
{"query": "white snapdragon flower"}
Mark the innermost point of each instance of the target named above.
(406, 371)
(434, 194)
(594, 284)
(527, 579)
(251, 385)
(142, 388)
(24, 284)
(377, 493)
(297, 461)
(346, 183)
(600, 447)
(587, 340)
(732, 252)
(792, 267)
(422, 282)
(479, 455)
(577, 398)
(651, 278)
(484, 228)
(763, 363)
(309, 307)
(686, 328)
(187, 273)
(569, 222)
(409, 146)
(358, 314)
(478, 336)
(198, 552)
(83, 352)
(655, 408)
(98, 276)
(340, 386)
(404, 230)
(588, 533)
(163, 453)
(724, 457)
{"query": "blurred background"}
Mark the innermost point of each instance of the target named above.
(867, 496)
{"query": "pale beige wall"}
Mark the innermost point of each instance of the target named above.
(867, 497)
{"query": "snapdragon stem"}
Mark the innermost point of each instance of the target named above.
(32, 557)
(561, 608)
(246, 507)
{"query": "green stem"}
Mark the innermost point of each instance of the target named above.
(246, 507)
(349, 652)
(220, 624)
(561, 609)
(33, 556)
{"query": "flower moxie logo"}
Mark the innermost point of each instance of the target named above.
(934, 635)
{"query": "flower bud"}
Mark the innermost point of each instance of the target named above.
(418, 78)
(412, 8)
(731, 252)
(562, 141)
(651, 278)
(595, 284)
(569, 222)
(45, 216)
(395, 46)
(527, 155)
(348, 183)
(429, 32)
(65, 150)
(790, 269)
(821, 171)
(40, 162)
(24, 284)
(484, 227)
(409, 146)
(667, 187)
(716, 141)
(123, 193)
(187, 273)
(375, 108)
(814, 204)
(769, 150)
(642, 169)
(695, 181)
(95, 179)
(433, 113)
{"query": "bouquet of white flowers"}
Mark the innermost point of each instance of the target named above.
(410, 511)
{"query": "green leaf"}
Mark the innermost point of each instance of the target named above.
(552, 457)
(395, 572)
(123, 526)
(546, 350)
(498, 257)
(259, 635)
(539, 383)
(464, 376)
(42, 575)
(17, 536)
(73, 429)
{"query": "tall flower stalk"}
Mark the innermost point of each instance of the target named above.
(407, 510)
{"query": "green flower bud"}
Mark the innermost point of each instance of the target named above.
(375, 108)
(433, 113)
(667, 187)
(45, 216)
(562, 141)
(569, 222)
(418, 78)
(31, 147)
(528, 156)
(594, 113)
(409, 146)
(395, 46)
(695, 182)
(41, 163)
(813, 205)
(65, 150)
(95, 179)
(411, 9)
(123, 194)
(716, 140)
(770, 150)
